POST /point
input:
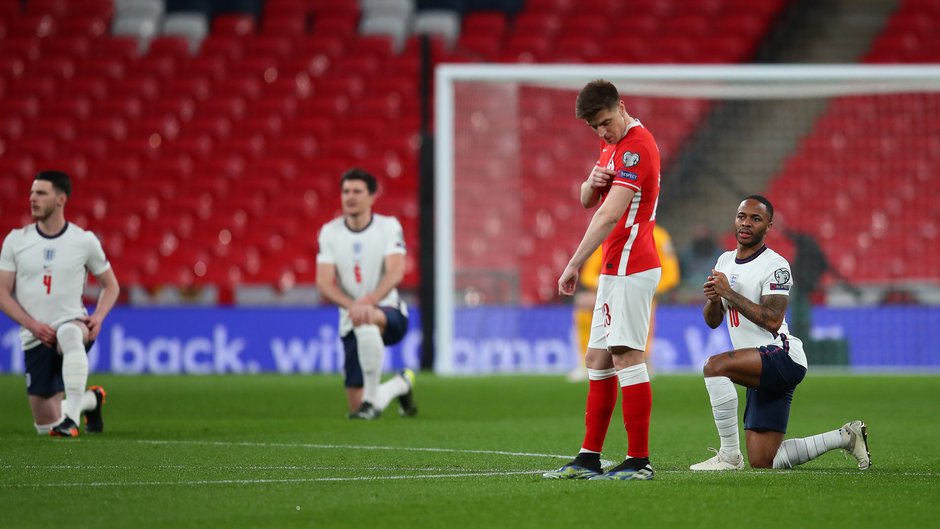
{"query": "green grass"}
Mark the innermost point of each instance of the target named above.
(275, 451)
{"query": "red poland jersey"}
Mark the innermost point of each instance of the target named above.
(630, 247)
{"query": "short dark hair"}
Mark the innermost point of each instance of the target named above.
(763, 200)
(360, 174)
(60, 181)
(598, 95)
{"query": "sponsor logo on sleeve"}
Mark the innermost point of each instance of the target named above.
(777, 286)
(630, 159)
(627, 175)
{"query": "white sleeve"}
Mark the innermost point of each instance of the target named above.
(395, 243)
(97, 263)
(7, 263)
(324, 250)
(779, 280)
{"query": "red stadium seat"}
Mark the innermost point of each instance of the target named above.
(45, 88)
(59, 128)
(229, 107)
(198, 88)
(234, 24)
(227, 47)
(339, 24)
(109, 128)
(67, 46)
(125, 106)
(124, 48)
(480, 45)
(83, 25)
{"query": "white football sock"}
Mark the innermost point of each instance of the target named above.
(390, 389)
(724, 400)
(43, 429)
(89, 401)
(793, 452)
(637, 374)
(371, 349)
(74, 369)
(601, 374)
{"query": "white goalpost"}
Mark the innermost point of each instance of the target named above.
(844, 150)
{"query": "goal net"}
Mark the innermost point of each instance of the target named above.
(849, 155)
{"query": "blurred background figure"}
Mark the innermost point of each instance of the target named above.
(360, 263)
(669, 280)
(697, 258)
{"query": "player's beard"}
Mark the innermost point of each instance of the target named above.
(756, 241)
(43, 214)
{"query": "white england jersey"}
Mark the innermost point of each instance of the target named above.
(50, 273)
(359, 257)
(764, 273)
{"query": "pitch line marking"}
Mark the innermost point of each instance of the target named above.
(264, 481)
(355, 447)
(308, 480)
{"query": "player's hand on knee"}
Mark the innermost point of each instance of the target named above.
(361, 312)
(93, 324)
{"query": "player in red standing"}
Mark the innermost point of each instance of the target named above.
(625, 181)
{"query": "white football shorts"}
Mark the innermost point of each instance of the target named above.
(622, 310)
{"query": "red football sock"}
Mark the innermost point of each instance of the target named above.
(601, 401)
(637, 405)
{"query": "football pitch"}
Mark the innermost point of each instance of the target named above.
(276, 451)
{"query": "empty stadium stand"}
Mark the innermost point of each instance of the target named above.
(206, 138)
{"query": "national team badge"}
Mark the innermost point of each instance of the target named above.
(733, 280)
(48, 254)
(630, 159)
(357, 248)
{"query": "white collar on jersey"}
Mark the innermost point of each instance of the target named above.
(634, 123)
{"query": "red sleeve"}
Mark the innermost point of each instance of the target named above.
(633, 165)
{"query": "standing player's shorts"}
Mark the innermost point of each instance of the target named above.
(44, 370)
(622, 310)
(768, 406)
(395, 329)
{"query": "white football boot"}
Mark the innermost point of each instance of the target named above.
(721, 461)
(857, 434)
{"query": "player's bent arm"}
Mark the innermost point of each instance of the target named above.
(12, 308)
(590, 196)
(767, 315)
(394, 273)
(714, 313)
(110, 290)
(8, 303)
(329, 290)
(602, 223)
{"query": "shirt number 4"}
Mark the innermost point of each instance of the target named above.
(47, 281)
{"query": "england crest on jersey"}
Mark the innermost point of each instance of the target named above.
(48, 254)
